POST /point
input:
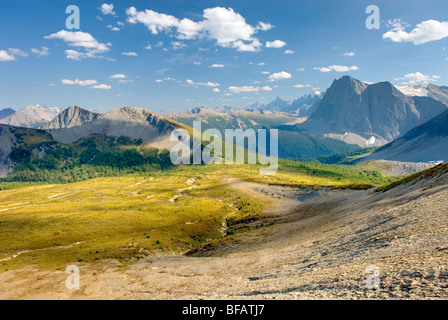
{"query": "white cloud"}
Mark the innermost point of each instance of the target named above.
(426, 31)
(102, 86)
(348, 54)
(265, 72)
(416, 78)
(266, 88)
(130, 54)
(275, 44)
(79, 82)
(125, 80)
(121, 24)
(301, 69)
(337, 68)
(154, 21)
(177, 45)
(118, 76)
(5, 56)
(279, 76)
(206, 84)
(168, 79)
(228, 28)
(82, 40)
(107, 9)
(44, 51)
(17, 52)
(215, 90)
(302, 86)
(113, 28)
(216, 65)
(289, 51)
(235, 89)
(264, 26)
(148, 47)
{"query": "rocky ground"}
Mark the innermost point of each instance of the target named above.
(323, 244)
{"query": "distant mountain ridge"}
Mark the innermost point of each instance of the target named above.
(426, 142)
(369, 115)
(28, 117)
(75, 123)
(299, 106)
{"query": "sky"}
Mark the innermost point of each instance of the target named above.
(175, 55)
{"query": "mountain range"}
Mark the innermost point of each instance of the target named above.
(299, 107)
(28, 117)
(407, 123)
(371, 114)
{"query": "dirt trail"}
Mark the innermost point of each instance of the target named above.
(319, 247)
(181, 192)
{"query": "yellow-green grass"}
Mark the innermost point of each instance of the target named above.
(126, 218)
(120, 218)
(312, 175)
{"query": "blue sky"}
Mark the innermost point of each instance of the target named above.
(175, 55)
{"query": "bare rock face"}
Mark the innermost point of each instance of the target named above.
(424, 143)
(76, 123)
(426, 90)
(378, 113)
(72, 117)
(17, 118)
(7, 141)
(41, 113)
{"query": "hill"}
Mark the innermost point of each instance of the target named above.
(426, 142)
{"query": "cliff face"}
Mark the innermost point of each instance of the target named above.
(72, 117)
(379, 112)
(76, 123)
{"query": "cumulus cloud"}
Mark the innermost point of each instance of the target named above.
(118, 76)
(130, 54)
(279, 76)
(112, 28)
(416, 78)
(17, 52)
(205, 84)
(11, 53)
(168, 79)
(223, 25)
(5, 56)
(177, 45)
(102, 86)
(217, 65)
(337, 68)
(44, 51)
(235, 89)
(79, 82)
(275, 44)
(107, 9)
(426, 31)
(215, 90)
(81, 40)
(302, 86)
(264, 26)
(289, 51)
(348, 54)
